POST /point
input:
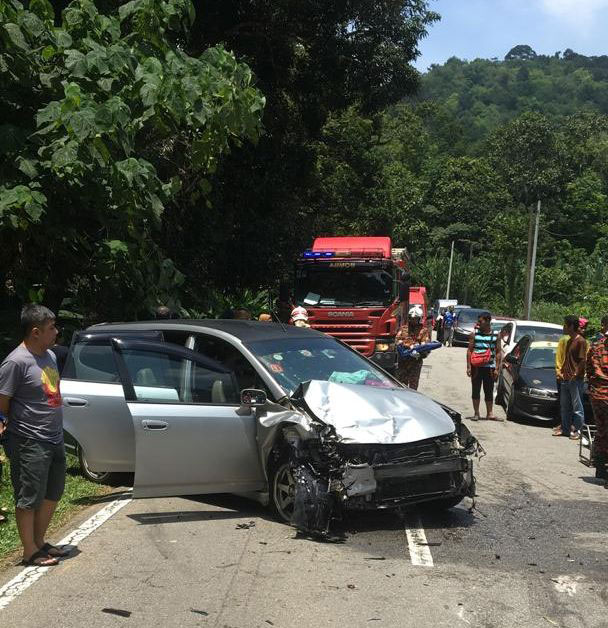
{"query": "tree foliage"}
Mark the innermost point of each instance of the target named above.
(108, 122)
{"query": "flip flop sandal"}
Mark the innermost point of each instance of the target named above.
(53, 551)
(38, 559)
(493, 418)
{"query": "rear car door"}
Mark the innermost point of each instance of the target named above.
(95, 415)
(192, 435)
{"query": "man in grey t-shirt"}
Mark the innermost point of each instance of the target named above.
(31, 415)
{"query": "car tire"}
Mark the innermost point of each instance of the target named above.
(93, 476)
(282, 490)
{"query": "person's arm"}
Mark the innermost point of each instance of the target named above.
(469, 352)
(498, 359)
(590, 366)
(581, 359)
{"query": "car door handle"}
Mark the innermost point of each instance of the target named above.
(149, 424)
(75, 402)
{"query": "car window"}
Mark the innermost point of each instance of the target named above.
(540, 358)
(159, 377)
(231, 358)
(469, 315)
(93, 363)
(176, 337)
(538, 333)
(292, 361)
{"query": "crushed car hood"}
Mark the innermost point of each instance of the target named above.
(369, 415)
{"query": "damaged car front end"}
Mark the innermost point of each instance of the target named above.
(346, 447)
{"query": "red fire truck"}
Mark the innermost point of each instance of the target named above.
(352, 287)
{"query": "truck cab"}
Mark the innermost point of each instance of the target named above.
(350, 287)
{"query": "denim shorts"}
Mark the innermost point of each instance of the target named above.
(37, 470)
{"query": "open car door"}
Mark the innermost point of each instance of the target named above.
(191, 434)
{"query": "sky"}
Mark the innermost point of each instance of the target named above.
(490, 28)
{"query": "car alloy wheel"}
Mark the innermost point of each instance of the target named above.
(93, 476)
(283, 492)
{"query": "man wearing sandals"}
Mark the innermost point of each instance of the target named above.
(597, 374)
(572, 381)
(30, 405)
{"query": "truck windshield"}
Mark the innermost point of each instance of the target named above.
(344, 287)
(292, 361)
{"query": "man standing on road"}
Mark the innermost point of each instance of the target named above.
(573, 379)
(31, 414)
(448, 322)
(413, 333)
(597, 374)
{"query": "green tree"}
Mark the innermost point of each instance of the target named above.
(110, 123)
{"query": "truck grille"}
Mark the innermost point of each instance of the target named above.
(356, 334)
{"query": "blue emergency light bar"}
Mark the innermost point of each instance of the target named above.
(315, 254)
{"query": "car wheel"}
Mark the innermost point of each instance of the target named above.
(445, 503)
(282, 491)
(93, 476)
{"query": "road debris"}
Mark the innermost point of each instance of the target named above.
(116, 611)
(245, 526)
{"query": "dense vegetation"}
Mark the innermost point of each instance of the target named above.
(151, 154)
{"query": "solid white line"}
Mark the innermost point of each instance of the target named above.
(29, 575)
(420, 553)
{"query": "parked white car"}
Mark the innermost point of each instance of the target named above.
(514, 330)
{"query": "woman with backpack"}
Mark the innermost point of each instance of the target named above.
(484, 356)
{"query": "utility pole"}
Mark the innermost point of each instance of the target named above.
(532, 263)
(447, 293)
(466, 285)
(528, 262)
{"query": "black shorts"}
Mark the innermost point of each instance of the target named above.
(482, 375)
(37, 470)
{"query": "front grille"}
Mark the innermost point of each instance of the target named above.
(422, 451)
(357, 334)
(413, 487)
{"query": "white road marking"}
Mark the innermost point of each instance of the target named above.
(420, 553)
(29, 575)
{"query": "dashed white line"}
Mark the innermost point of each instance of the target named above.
(420, 554)
(29, 575)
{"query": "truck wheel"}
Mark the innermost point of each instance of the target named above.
(282, 491)
(93, 476)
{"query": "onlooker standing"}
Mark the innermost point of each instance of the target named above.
(597, 374)
(439, 325)
(413, 333)
(484, 357)
(30, 399)
(448, 323)
(573, 379)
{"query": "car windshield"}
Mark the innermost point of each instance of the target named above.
(538, 333)
(540, 358)
(346, 287)
(292, 361)
(469, 316)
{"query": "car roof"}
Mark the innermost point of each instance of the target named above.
(543, 344)
(538, 324)
(246, 331)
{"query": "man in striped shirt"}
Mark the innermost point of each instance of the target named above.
(597, 374)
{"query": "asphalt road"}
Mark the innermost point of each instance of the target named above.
(533, 552)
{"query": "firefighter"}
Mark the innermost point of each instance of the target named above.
(410, 334)
(597, 374)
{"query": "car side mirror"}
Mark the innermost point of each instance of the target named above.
(253, 398)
